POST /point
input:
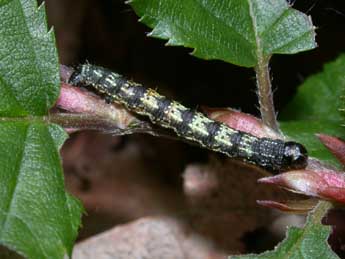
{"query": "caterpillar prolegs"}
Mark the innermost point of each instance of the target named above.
(272, 154)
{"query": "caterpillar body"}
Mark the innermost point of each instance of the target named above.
(271, 154)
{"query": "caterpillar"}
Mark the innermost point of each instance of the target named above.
(271, 154)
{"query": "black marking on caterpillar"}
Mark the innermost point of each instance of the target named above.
(272, 154)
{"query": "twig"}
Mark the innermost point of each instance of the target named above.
(265, 94)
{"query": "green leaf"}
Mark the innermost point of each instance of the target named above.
(309, 242)
(29, 71)
(315, 109)
(319, 97)
(236, 31)
(38, 219)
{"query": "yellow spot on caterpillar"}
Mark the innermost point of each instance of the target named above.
(174, 112)
(111, 81)
(149, 101)
(223, 136)
(198, 124)
(127, 91)
(97, 73)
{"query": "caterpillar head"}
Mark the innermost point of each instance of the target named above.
(295, 156)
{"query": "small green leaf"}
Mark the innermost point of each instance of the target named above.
(309, 242)
(236, 31)
(315, 109)
(38, 219)
(319, 97)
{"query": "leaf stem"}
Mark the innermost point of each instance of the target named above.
(77, 122)
(82, 122)
(265, 94)
(320, 211)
